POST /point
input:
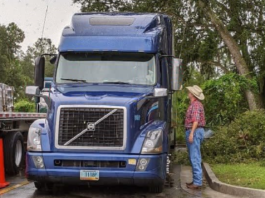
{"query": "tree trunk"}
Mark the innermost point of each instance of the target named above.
(240, 63)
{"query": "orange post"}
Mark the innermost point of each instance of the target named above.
(3, 182)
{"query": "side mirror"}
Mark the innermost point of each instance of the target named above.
(39, 72)
(160, 92)
(32, 90)
(177, 74)
(35, 91)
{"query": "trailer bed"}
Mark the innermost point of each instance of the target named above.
(21, 116)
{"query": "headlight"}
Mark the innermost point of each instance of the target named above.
(153, 142)
(34, 141)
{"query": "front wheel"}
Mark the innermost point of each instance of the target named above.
(44, 187)
(14, 152)
(40, 186)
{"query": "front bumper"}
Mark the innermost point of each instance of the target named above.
(154, 174)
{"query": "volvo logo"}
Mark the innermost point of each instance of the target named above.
(91, 126)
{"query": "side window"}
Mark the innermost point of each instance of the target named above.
(47, 85)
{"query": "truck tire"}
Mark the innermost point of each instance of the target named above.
(156, 189)
(40, 186)
(14, 152)
(44, 187)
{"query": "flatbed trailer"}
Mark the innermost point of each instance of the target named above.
(14, 130)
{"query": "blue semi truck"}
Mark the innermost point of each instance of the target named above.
(109, 104)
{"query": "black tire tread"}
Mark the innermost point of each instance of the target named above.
(39, 186)
(44, 187)
(9, 151)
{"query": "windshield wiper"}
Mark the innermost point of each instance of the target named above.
(116, 82)
(74, 80)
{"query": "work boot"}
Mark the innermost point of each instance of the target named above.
(194, 187)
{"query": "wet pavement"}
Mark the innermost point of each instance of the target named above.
(29, 191)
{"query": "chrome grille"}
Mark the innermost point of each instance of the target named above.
(108, 133)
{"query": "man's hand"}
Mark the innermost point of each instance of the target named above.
(194, 127)
(191, 138)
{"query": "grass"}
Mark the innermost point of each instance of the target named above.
(250, 175)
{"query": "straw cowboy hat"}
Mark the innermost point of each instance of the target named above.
(196, 91)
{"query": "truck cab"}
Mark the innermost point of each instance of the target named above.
(109, 104)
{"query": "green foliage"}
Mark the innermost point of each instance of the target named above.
(15, 37)
(180, 136)
(208, 47)
(103, 6)
(10, 38)
(41, 46)
(224, 101)
(240, 141)
(224, 98)
(180, 105)
(15, 78)
(25, 106)
(181, 157)
(17, 68)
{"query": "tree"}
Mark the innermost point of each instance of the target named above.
(41, 46)
(19, 71)
(3, 53)
(234, 49)
(15, 37)
(104, 5)
(10, 38)
(214, 36)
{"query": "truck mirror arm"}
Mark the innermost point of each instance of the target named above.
(154, 97)
(53, 57)
(46, 99)
(34, 91)
(166, 56)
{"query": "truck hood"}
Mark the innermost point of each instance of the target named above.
(121, 95)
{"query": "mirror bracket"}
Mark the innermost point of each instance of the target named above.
(166, 56)
(52, 59)
(35, 91)
(158, 93)
(177, 74)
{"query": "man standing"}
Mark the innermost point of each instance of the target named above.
(194, 124)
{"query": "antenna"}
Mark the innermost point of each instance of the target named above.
(44, 22)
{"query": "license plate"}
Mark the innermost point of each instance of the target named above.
(92, 175)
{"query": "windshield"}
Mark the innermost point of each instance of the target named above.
(116, 68)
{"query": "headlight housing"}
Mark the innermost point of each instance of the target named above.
(153, 142)
(34, 139)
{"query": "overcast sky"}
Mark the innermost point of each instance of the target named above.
(29, 16)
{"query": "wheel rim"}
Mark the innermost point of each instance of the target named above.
(18, 153)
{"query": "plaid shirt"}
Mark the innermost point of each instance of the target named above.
(195, 113)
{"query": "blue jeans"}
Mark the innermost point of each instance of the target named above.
(194, 151)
